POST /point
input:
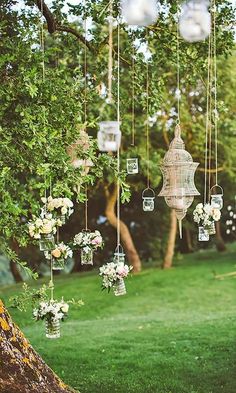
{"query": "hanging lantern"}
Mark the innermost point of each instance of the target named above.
(109, 136)
(148, 196)
(178, 171)
(132, 166)
(119, 255)
(217, 199)
(47, 242)
(195, 21)
(139, 12)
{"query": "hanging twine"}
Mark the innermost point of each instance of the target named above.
(215, 91)
(118, 120)
(147, 128)
(133, 94)
(85, 105)
(42, 44)
(178, 69)
(207, 116)
(110, 57)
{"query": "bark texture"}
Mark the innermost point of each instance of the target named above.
(170, 249)
(22, 370)
(127, 241)
(220, 244)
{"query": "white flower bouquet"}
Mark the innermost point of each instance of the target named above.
(88, 240)
(113, 273)
(59, 254)
(205, 215)
(51, 310)
(44, 225)
(61, 207)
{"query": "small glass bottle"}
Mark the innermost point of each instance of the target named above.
(119, 288)
(203, 235)
(86, 257)
(47, 242)
(58, 263)
(52, 328)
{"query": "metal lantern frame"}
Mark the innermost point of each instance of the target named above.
(178, 170)
(132, 166)
(109, 136)
(119, 255)
(195, 21)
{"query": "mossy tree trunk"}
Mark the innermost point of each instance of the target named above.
(170, 249)
(21, 368)
(220, 244)
(126, 238)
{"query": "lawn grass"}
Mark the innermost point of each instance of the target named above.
(175, 331)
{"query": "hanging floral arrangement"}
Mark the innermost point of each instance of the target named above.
(113, 275)
(206, 216)
(88, 242)
(61, 208)
(59, 255)
(43, 228)
(53, 313)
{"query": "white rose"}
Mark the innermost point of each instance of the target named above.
(65, 308)
(47, 228)
(63, 210)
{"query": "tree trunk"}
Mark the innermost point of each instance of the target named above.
(13, 266)
(220, 244)
(127, 241)
(188, 239)
(22, 369)
(170, 249)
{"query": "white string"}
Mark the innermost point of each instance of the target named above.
(178, 68)
(110, 58)
(207, 116)
(215, 92)
(118, 120)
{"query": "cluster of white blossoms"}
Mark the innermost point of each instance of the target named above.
(206, 214)
(51, 310)
(61, 250)
(88, 241)
(62, 206)
(112, 272)
(44, 225)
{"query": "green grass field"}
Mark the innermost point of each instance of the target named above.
(175, 331)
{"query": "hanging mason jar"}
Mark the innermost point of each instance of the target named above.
(211, 229)
(217, 199)
(86, 256)
(139, 12)
(52, 328)
(195, 21)
(132, 166)
(109, 136)
(119, 255)
(47, 242)
(62, 218)
(119, 288)
(148, 196)
(203, 234)
(58, 263)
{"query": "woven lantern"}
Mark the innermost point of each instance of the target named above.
(178, 171)
(195, 21)
(139, 12)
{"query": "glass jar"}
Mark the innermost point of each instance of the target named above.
(62, 218)
(47, 242)
(211, 229)
(119, 288)
(109, 136)
(52, 328)
(132, 166)
(58, 263)
(86, 257)
(203, 234)
(148, 200)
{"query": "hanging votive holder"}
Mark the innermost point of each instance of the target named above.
(217, 199)
(211, 229)
(119, 288)
(47, 242)
(132, 166)
(203, 234)
(58, 263)
(109, 136)
(148, 196)
(119, 255)
(52, 328)
(86, 256)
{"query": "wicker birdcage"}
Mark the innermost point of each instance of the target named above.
(178, 171)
